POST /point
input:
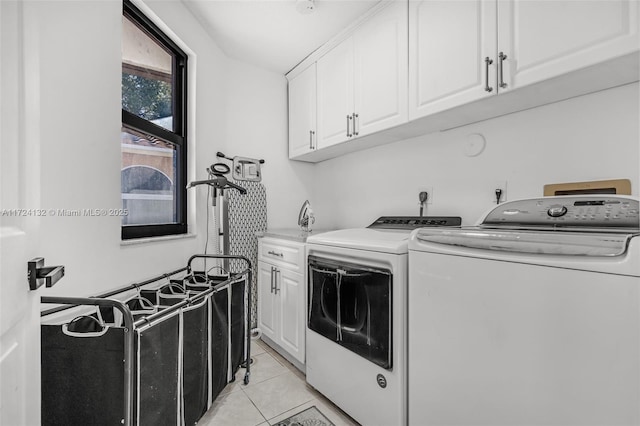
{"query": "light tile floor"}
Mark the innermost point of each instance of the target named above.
(276, 390)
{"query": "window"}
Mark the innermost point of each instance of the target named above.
(153, 138)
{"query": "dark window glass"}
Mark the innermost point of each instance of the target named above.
(153, 138)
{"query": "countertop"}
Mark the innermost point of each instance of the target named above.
(291, 234)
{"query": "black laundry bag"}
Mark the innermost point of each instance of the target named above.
(195, 365)
(219, 342)
(170, 294)
(82, 377)
(238, 330)
(150, 295)
(157, 372)
(182, 361)
(141, 307)
(197, 281)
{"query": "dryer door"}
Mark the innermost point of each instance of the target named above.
(351, 305)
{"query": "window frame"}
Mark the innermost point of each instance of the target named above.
(178, 136)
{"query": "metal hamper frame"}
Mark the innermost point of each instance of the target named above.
(130, 325)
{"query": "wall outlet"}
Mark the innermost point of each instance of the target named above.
(498, 184)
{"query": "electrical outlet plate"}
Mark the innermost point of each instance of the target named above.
(498, 184)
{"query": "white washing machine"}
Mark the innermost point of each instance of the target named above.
(530, 318)
(356, 318)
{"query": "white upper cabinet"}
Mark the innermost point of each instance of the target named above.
(335, 95)
(302, 112)
(381, 71)
(545, 39)
(362, 82)
(411, 67)
(465, 50)
(452, 54)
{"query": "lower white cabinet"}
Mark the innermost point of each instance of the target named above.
(281, 296)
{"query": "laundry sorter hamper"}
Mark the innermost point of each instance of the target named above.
(146, 360)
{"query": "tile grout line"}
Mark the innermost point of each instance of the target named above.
(242, 388)
(268, 420)
(274, 355)
(291, 409)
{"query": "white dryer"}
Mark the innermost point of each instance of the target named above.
(356, 323)
(530, 318)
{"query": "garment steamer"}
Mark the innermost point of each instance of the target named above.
(242, 169)
(219, 183)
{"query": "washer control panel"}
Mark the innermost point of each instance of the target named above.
(413, 222)
(572, 211)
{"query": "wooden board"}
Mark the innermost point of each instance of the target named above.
(613, 186)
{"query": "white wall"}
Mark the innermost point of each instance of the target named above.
(257, 128)
(242, 110)
(80, 68)
(235, 108)
(590, 137)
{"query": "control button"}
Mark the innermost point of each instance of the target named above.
(557, 210)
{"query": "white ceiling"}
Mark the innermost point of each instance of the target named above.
(271, 33)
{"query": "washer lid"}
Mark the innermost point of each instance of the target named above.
(527, 241)
(384, 241)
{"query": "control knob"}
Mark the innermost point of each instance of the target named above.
(557, 210)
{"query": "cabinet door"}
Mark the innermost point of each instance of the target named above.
(292, 319)
(449, 43)
(335, 94)
(380, 70)
(267, 308)
(544, 39)
(302, 112)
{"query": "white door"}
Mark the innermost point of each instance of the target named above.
(452, 57)
(380, 71)
(544, 39)
(267, 308)
(20, 175)
(292, 318)
(302, 112)
(335, 94)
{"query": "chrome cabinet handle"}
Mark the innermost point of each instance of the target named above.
(273, 253)
(501, 57)
(356, 122)
(272, 279)
(348, 126)
(275, 286)
(313, 139)
(487, 61)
